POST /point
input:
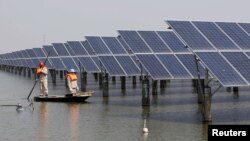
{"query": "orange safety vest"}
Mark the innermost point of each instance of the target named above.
(72, 77)
(39, 70)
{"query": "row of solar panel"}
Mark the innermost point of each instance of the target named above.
(222, 47)
(113, 56)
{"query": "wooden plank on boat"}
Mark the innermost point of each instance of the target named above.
(79, 97)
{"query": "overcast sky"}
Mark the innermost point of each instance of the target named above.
(27, 24)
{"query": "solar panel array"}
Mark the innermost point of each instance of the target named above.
(221, 46)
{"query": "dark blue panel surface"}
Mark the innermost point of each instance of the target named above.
(221, 69)
(31, 53)
(245, 26)
(71, 52)
(190, 35)
(240, 61)
(69, 63)
(88, 64)
(236, 33)
(189, 62)
(124, 45)
(134, 41)
(87, 47)
(50, 50)
(174, 66)
(60, 49)
(154, 41)
(215, 36)
(39, 52)
(153, 66)
(128, 65)
(98, 45)
(111, 65)
(77, 47)
(114, 45)
(172, 41)
(31, 64)
(57, 63)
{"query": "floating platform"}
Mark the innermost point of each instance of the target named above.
(79, 97)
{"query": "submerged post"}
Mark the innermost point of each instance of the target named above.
(155, 88)
(105, 85)
(61, 74)
(29, 73)
(83, 80)
(123, 82)
(145, 91)
(54, 76)
(207, 117)
(134, 81)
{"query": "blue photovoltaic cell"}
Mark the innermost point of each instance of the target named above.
(221, 69)
(134, 41)
(154, 41)
(123, 43)
(87, 47)
(19, 54)
(39, 52)
(31, 53)
(215, 35)
(24, 54)
(111, 65)
(98, 45)
(189, 62)
(77, 47)
(57, 63)
(97, 62)
(71, 52)
(153, 66)
(174, 66)
(236, 33)
(172, 41)
(31, 64)
(60, 49)
(128, 65)
(190, 35)
(50, 50)
(245, 26)
(69, 63)
(88, 64)
(240, 62)
(114, 46)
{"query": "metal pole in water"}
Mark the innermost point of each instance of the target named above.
(105, 85)
(155, 88)
(207, 117)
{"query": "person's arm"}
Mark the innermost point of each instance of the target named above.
(44, 71)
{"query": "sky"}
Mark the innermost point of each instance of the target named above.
(26, 24)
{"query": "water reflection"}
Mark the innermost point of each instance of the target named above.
(145, 117)
(43, 121)
(73, 121)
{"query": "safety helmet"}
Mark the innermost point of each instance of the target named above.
(41, 64)
(72, 70)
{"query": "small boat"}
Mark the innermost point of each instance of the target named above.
(79, 97)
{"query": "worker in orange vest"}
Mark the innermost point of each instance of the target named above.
(42, 72)
(72, 81)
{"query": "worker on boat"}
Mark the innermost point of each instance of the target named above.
(42, 72)
(72, 81)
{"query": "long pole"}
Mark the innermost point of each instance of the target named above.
(37, 78)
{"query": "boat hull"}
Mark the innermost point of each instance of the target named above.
(81, 97)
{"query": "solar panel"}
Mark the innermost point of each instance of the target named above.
(215, 36)
(174, 66)
(246, 27)
(236, 33)
(97, 62)
(114, 45)
(190, 35)
(39, 52)
(189, 62)
(240, 61)
(25, 54)
(51, 50)
(77, 47)
(88, 64)
(71, 52)
(217, 65)
(124, 45)
(134, 41)
(111, 65)
(153, 66)
(173, 42)
(19, 54)
(57, 63)
(31, 64)
(88, 48)
(69, 63)
(31, 53)
(154, 41)
(128, 65)
(98, 45)
(60, 49)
